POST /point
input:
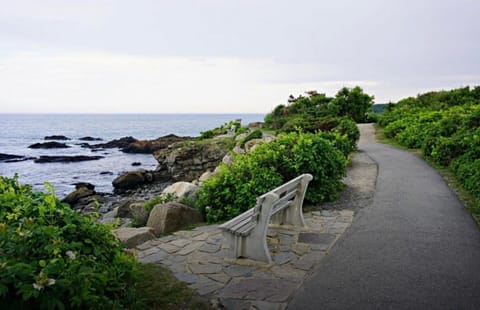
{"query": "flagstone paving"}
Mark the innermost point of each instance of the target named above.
(198, 258)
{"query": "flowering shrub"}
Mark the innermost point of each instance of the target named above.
(52, 257)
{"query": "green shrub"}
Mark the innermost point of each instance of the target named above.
(234, 189)
(53, 257)
(347, 126)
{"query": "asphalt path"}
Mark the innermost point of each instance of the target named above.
(414, 247)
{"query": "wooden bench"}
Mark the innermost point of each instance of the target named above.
(246, 234)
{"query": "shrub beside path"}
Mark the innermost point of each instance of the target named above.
(197, 256)
(414, 247)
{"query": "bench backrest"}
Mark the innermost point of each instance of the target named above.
(290, 194)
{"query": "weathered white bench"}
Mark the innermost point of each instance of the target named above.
(247, 233)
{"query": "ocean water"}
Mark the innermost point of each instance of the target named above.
(18, 131)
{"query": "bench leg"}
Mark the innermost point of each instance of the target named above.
(251, 247)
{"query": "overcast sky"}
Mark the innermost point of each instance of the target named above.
(227, 56)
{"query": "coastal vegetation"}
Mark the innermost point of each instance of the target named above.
(52, 257)
(445, 125)
(315, 134)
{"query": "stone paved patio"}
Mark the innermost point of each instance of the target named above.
(197, 257)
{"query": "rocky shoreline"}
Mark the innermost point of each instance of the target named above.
(183, 164)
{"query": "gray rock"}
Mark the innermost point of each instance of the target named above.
(135, 210)
(172, 216)
(131, 237)
(132, 179)
(181, 190)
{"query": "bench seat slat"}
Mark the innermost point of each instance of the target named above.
(240, 218)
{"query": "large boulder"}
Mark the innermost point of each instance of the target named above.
(187, 161)
(133, 209)
(150, 146)
(172, 216)
(49, 145)
(119, 143)
(56, 137)
(181, 190)
(131, 237)
(65, 159)
(81, 192)
(132, 179)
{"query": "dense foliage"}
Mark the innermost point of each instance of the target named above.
(235, 188)
(312, 112)
(446, 126)
(52, 257)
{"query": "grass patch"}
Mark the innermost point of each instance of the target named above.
(159, 289)
(465, 197)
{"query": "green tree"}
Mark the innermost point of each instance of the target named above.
(351, 102)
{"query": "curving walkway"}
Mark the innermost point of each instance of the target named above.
(414, 247)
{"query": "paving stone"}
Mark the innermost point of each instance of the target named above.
(190, 248)
(283, 258)
(271, 290)
(309, 260)
(186, 277)
(219, 277)
(167, 238)
(205, 268)
(153, 258)
(234, 304)
(203, 257)
(180, 243)
(345, 219)
(265, 305)
(300, 248)
(169, 248)
(210, 248)
(146, 245)
(328, 213)
(201, 237)
(317, 213)
(205, 286)
(177, 267)
(239, 271)
(187, 233)
(285, 247)
(288, 272)
(148, 252)
(287, 239)
(272, 233)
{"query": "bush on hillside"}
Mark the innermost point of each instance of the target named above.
(235, 188)
(446, 126)
(52, 257)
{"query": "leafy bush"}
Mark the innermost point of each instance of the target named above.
(235, 188)
(52, 257)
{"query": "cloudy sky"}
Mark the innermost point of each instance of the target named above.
(228, 56)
